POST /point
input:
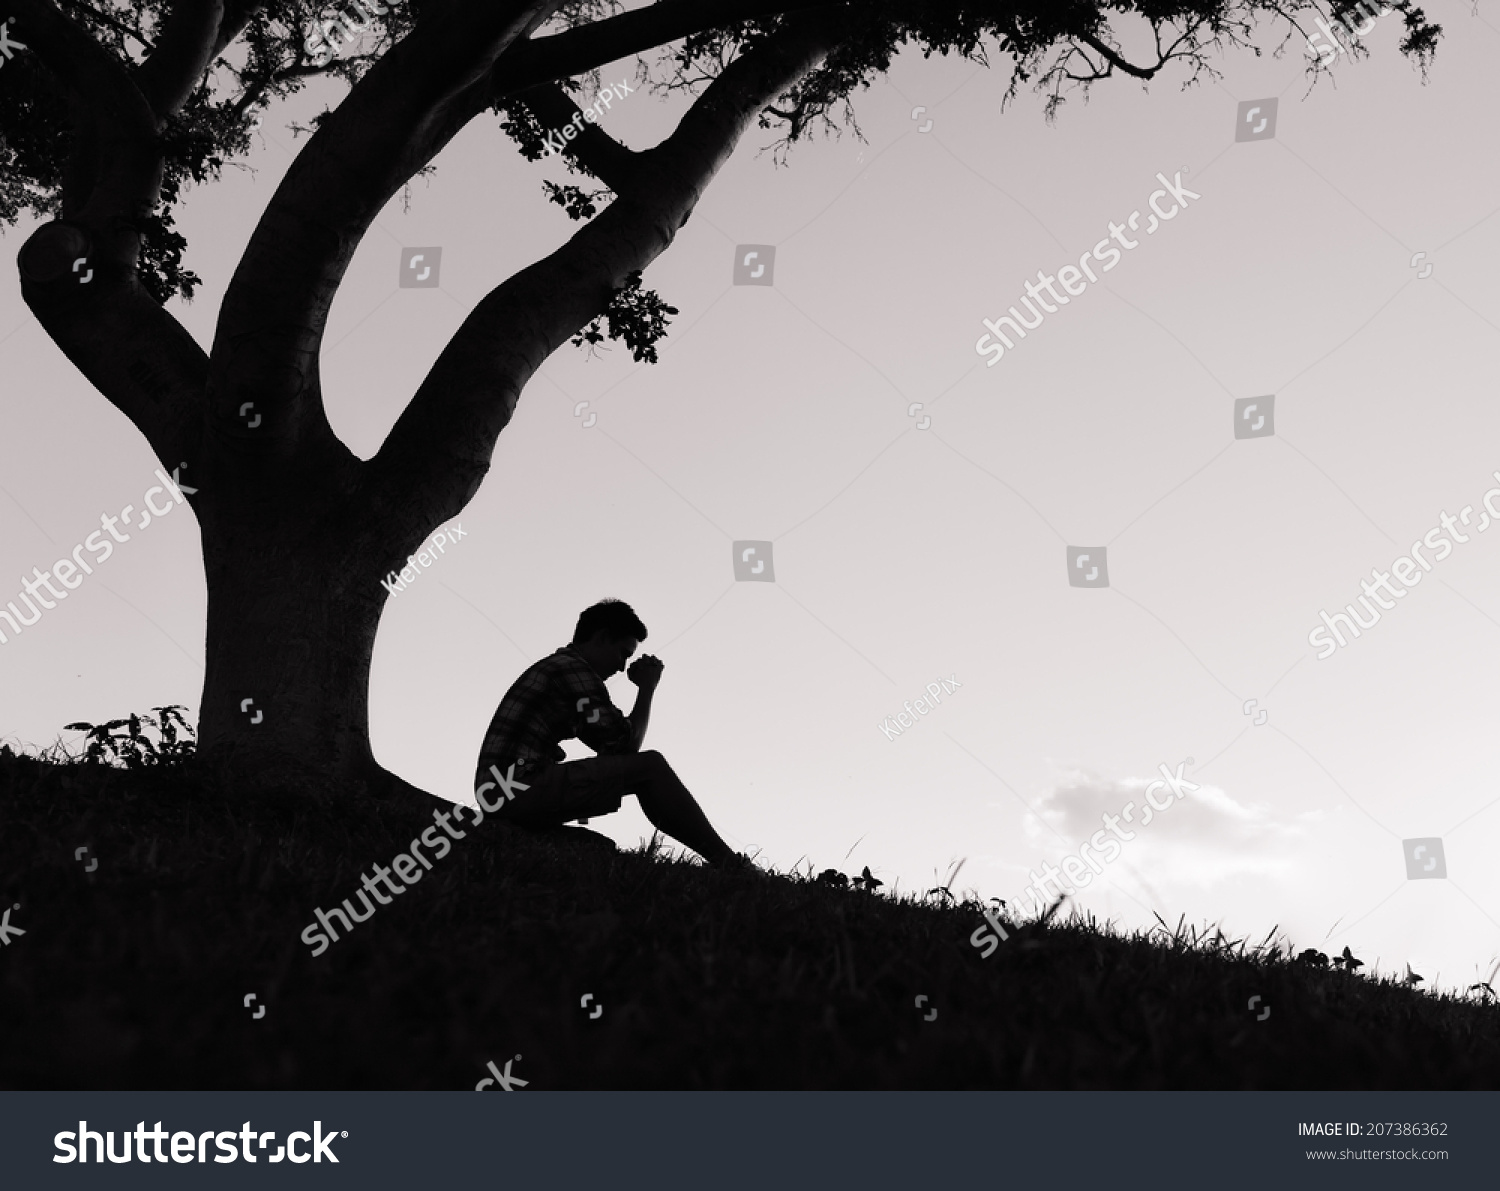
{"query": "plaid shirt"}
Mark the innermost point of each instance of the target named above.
(555, 699)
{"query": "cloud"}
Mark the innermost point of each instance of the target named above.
(1204, 837)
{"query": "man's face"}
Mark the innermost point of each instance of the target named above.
(615, 653)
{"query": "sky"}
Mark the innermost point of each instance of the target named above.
(924, 503)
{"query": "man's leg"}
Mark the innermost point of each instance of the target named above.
(671, 808)
(592, 786)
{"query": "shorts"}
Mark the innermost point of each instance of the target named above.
(563, 791)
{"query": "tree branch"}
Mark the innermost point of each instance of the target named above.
(109, 22)
(1116, 60)
(184, 48)
(598, 152)
(132, 350)
(439, 449)
(121, 178)
(237, 14)
(578, 51)
(394, 120)
(113, 180)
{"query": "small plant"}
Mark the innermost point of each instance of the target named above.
(867, 881)
(122, 742)
(945, 890)
(833, 878)
(1348, 962)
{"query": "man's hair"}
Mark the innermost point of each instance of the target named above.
(615, 617)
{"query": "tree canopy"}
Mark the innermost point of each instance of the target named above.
(264, 52)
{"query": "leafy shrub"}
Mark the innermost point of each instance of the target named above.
(132, 748)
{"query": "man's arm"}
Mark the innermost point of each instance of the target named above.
(645, 672)
(640, 716)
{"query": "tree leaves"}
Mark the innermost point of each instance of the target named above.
(577, 202)
(133, 749)
(635, 316)
(1053, 44)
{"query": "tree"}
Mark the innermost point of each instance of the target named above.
(108, 108)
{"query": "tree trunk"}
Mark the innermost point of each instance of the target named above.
(294, 601)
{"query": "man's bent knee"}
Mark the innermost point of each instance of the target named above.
(649, 764)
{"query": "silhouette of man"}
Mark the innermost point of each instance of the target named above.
(563, 696)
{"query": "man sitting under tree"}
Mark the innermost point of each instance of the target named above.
(564, 696)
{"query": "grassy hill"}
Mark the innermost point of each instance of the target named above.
(134, 975)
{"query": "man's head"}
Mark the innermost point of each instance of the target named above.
(607, 634)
